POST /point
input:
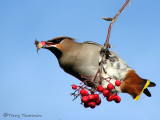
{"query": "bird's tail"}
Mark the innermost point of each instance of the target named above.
(146, 83)
(135, 85)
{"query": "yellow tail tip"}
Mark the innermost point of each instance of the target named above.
(145, 86)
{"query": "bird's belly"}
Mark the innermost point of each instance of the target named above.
(87, 71)
(112, 72)
(81, 72)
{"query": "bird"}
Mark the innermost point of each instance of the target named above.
(82, 59)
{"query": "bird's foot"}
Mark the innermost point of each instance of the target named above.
(105, 52)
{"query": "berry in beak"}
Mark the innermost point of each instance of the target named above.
(40, 45)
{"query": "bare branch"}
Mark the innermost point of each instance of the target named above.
(106, 44)
(98, 78)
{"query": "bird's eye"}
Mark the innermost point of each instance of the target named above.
(57, 41)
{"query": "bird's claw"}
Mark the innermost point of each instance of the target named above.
(104, 51)
(108, 45)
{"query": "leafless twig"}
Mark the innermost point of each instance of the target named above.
(97, 78)
(106, 44)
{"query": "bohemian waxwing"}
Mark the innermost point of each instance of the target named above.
(82, 59)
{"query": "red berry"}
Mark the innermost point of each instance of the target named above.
(110, 86)
(98, 102)
(91, 97)
(92, 104)
(85, 99)
(106, 93)
(110, 98)
(100, 89)
(113, 96)
(86, 92)
(117, 99)
(96, 96)
(83, 92)
(86, 105)
(43, 43)
(118, 83)
(74, 87)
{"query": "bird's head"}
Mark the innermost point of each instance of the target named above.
(58, 46)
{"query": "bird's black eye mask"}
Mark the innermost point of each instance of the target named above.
(54, 41)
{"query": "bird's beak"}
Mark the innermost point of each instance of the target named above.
(43, 44)
(48, 44)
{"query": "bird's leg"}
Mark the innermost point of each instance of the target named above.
(108, 45)
(104, 53)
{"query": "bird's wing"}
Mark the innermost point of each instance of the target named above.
(90, 42)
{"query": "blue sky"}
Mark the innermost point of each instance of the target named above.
(32, 83)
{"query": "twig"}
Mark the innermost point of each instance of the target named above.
(104, 54)
(93, 79)
(106, 44)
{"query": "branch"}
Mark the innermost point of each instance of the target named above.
(104, 53)
(106, 44)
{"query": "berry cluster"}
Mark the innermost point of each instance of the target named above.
(108, 94)
(88, 100)
(92, 100)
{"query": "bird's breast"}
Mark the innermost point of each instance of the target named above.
(80, 65)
